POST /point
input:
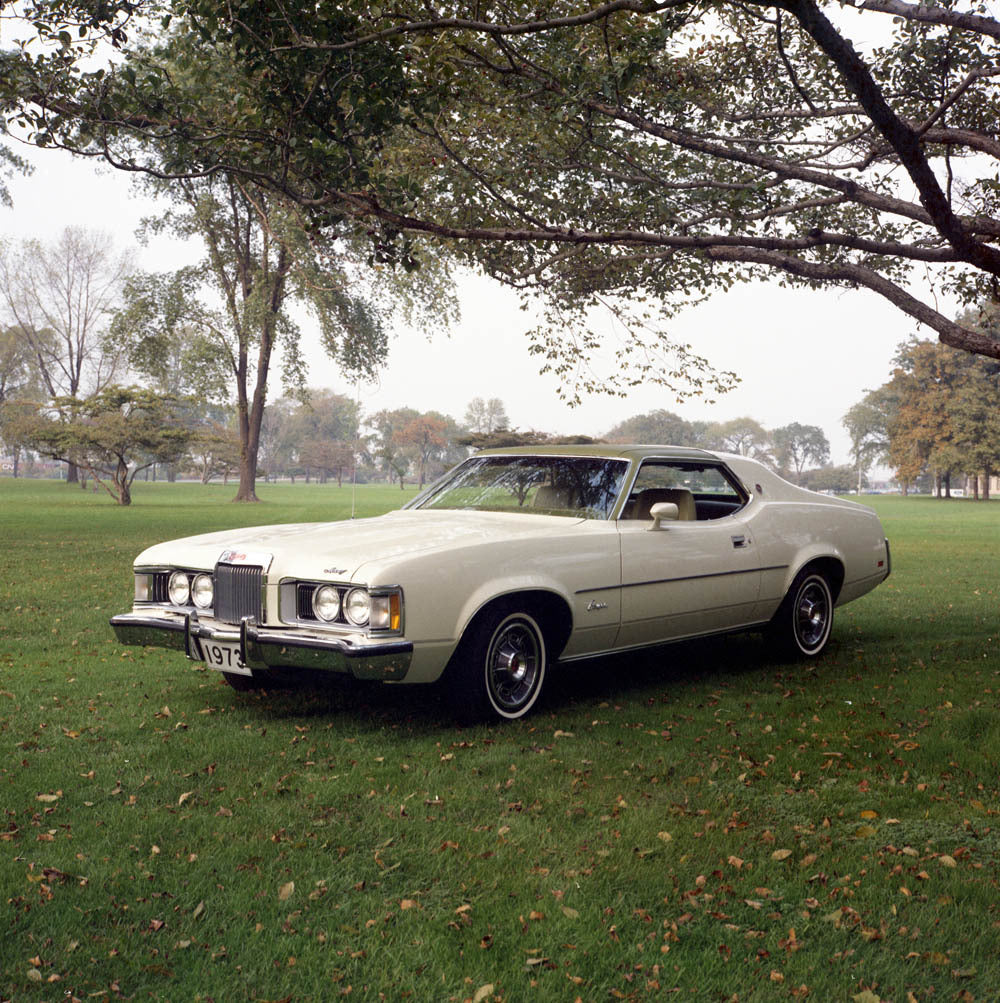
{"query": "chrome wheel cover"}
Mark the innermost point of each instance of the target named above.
(812, 614)
(515, 662)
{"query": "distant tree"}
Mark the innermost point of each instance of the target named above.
(974, 408)
(328, 457)
(796, 445)
(19, 379)
(658, 427)
(866, 424)
(386, 449)
(922, 433)
(215, 443)
(426, 437)
(488, 416)
(113, 434)
(744, 436)
(508, 438)
(60, 298)
(276, 450)
(842, 479)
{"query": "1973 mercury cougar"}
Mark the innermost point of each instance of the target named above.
(513, 560)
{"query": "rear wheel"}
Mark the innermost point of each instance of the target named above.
(804, 620)
(499, 668)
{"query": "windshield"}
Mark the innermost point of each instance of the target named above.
(581, 486)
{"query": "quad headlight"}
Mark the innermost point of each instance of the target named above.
(179, 588)
(202, 591)
(357, 606)
(326, 603)
(345, 606)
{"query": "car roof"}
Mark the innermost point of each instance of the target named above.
(604, 449)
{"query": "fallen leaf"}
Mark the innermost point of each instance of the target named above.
(869, 814)
(482, 993)
(47, 798)
(867, 996)
(780, 855)
(947, 860)
(664, 836)
(570, 913)
(184, 797)
(736, 862)
(409, 904)
(285, 891)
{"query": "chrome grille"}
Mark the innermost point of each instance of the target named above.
(238, 592)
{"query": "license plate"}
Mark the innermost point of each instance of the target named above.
(224, 656)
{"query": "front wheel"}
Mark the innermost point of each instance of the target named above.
(499, 668)
(804, 620)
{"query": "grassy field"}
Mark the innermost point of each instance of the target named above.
(704, 823)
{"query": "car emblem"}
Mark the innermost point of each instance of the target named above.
(335, 571)
(594, 604)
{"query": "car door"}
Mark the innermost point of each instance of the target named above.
(690, 575)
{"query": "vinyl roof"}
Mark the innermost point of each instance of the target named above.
(604, 449)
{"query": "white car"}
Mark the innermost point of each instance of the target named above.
(513, 560)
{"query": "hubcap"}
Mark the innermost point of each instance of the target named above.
(514, 665)
(812, 614)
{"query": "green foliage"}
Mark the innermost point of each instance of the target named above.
(796, 445)
(112, 435)
(669, 820)
(937, 413)
(659, 426)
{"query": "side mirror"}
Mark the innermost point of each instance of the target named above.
(661, 511)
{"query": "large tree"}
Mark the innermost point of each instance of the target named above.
(59, 297)
(113, 435)
(598, 152)
(796, 445)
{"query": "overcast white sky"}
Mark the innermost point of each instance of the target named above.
(803, 356)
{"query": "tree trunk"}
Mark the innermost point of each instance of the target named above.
(17, 460)
(975, 485)
(987, 474)
(122, 486)
(72, 473)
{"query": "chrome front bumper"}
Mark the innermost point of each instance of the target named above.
(268, 647)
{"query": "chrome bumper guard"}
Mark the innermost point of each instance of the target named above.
(267, 647)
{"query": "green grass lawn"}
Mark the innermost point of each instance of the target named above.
(703, 823)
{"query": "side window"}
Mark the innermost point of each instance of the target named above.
(701, 491)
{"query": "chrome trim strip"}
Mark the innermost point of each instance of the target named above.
(683, 578)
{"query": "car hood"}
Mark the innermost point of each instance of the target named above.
(339, 550)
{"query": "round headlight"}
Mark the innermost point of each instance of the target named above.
(202, 591)
(326, 603)
(179, 588)
(358, 607)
